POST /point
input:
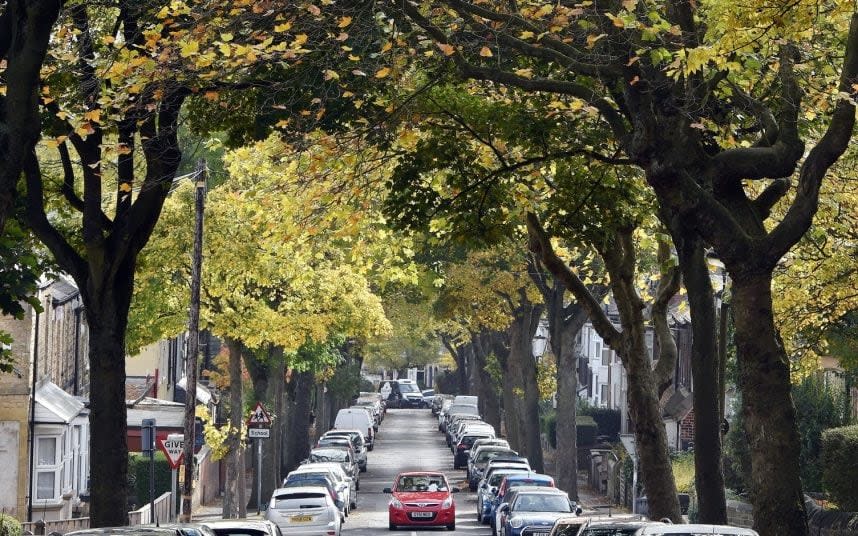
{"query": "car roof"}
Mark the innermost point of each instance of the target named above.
(530, 475)
(129, 531)
(318, 467)
(421, 473)
(695, 529)
(509, 459)
(301, 489)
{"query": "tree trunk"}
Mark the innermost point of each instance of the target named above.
(233, 502)
(768, 412)
(566, 460)
(297, 445)
(524, 403)
(278, 431)
(708, 473)
(489, 401)
(108, 417)
(260, 373)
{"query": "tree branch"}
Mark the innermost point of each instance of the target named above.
(540, 244)
(829, 149)
(668, 286)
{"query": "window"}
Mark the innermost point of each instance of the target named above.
(649, 344)
(48, 467)
(604, 394)
(606, 355)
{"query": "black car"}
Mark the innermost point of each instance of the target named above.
(463, 449)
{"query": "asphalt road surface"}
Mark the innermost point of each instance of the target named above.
(409, 440)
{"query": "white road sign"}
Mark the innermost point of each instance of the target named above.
(174, 449)
(259, 417)
(258, 432)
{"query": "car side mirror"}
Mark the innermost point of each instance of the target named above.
(579, 510)
(340, 504)
(455, 490)
(387, 490)
(494, 490)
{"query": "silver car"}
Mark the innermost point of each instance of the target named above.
(357, 441)
(345, 485)
(304, 510)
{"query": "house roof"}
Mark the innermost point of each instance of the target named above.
(167, 414)
(53, 405)
(678, 405)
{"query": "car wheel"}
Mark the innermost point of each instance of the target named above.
(353, 506)
(391, 526)
(357, 485)
(479, 515)
(363, 470)
(472, 485)
(451, 526)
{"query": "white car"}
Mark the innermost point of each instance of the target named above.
(346, 486)
(241, 527)
(304, 510)
(694, 530)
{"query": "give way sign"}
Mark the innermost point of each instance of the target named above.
(174, 448)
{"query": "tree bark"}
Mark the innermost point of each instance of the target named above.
(521, 367)
(298, 396)
(234, 505)
(108, 417)
(708, 472)
(489, 401)
(768, 412)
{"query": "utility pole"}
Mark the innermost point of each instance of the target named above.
(193, 342)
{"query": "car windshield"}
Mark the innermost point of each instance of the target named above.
(298, 501)
(541, 503)
(329, 455)
(333, 475)
(529, 482)
(463, 410)
(408, 388)
(486, 455)
(421, 483)
(607, 531)
(239, 531)
(497, 478)
(305, 480)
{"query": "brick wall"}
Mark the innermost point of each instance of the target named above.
(686, 429)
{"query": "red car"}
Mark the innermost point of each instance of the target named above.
(421, 499)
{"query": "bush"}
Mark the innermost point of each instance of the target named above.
(9, 526)
(548, 426)
(818, 408)
(608, 420)
(138, 476)
(683, 472)
(840, 465)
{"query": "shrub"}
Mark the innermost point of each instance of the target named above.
(840, 465)
(818, 408)
(9, 526)
(683, 472)
(608, 420)
(138, 476)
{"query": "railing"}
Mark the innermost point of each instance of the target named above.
(141, 516)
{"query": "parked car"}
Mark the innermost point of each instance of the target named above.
(533, 511)
(487, 491)
(480, 457)
(467, 400)
(613, 525)
(480, 428)
(421, 499)
(462, 450)
(404, 393)
(242, 527)
(340, 455)
(374, 411)
(357, 441)
(357, 419)
(170, 530)
(428, 395)
(346, 486)
(693, 530)
(442, 415)
(295, 479)
(510, 483)
(307, 510)
(456, 423)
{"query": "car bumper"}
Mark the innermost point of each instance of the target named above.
(405, 517)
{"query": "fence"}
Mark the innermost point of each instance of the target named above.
(142, 516)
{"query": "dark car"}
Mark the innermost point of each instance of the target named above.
(533, 512)
(463, 448)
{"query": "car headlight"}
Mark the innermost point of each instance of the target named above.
(516, 522)
(448, 502)
(396, 504)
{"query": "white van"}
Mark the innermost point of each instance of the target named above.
(357, 418)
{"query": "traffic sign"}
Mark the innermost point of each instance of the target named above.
(174, 448)
(258, 432)
(259, 418)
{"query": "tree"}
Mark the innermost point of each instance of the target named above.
(678, 91)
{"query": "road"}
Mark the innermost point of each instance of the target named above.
(408, 440)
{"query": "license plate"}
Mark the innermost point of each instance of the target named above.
(539, 534)
(301, 519)
(421, 514)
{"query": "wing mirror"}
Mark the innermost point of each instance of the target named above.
(494, 490)
(456, 490)
(387, 490)
(579, 510)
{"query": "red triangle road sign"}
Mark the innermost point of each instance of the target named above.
(259, 417)
(174, 449)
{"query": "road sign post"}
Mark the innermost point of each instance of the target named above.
(258, 427)
(148, 433)
(174, 448)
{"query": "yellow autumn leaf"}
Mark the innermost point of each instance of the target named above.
(448, 50)
(108, 39)
(225, 49)
(285, 27)
(93, 115)
(331, 75)
(526, 35)
(300, 39)
(486, 52)
(226, 37)
(383, 72)
(344, 21)
(125, 187)
(188, 48)
(524, 73)
(592, 39)
(387, 46)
